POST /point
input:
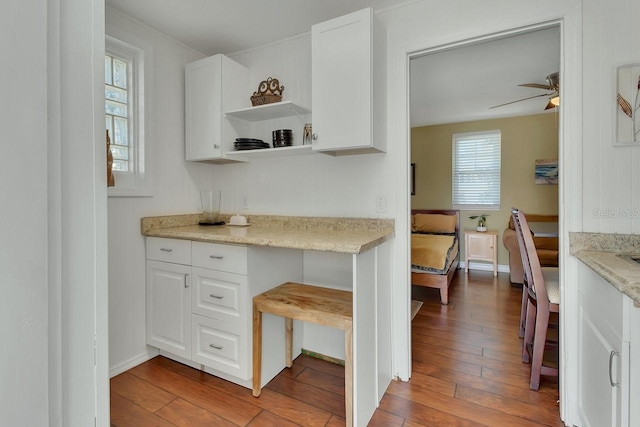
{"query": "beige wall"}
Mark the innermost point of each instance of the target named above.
(524, 139)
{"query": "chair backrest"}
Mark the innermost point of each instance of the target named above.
(530, 260)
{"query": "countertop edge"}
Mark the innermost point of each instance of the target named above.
(366, 233)
(600, 252)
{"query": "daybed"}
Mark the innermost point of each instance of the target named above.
(546, 247)
(435, 252)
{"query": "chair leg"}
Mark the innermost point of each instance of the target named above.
(523, 309)
(288, 341)
(257, 350)
(539, 341)
(529, 329)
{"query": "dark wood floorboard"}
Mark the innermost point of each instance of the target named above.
(467, 371)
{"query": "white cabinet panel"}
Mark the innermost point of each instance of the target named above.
(212, 86)
(169, 307)
(349, 84)
(221, 345)
(604, 355)
(220, 257)
(169, 250)
(220, 295)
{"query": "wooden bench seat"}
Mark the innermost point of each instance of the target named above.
(295, 301)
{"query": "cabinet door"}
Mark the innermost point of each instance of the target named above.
(203, 109)
(602, 354)
(342, 83)
(169, 307)
(212, 86)
(480, 247)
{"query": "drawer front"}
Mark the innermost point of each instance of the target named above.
(219, 295)
(169, 250)
(220, 345)
(232, 259)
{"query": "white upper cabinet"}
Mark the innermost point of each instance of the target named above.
(349, 84)
(212, 86)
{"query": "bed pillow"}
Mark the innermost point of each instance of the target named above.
(434, 223)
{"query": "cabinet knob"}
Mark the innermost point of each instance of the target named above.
(216, 256)
(216, 296)
(314, 136)
(217, 347)
(216, 146)
(166, 249)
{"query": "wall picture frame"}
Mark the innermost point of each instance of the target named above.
(413, 179)
(627, 102)
(546, 172)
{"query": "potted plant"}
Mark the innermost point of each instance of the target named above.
(482, 221)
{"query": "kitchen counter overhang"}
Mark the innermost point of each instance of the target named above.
(342, 235)
(605, 254)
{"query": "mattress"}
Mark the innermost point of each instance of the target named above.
(433, 253)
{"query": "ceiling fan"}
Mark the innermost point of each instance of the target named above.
(553, 86)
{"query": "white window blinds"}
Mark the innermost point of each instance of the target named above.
(476, 170)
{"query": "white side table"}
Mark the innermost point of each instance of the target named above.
(481, 246)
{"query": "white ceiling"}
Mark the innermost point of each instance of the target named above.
(453, 85)
(228, 26)
(461, 84)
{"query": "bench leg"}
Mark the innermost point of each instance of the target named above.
(257, 350)
(348, 371)
(288, 341)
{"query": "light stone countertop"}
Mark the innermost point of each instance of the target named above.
(343, 235)
(600, 252)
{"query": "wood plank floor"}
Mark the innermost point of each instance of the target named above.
(467, 371)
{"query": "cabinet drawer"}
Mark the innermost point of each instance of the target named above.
(220, 345)
(219, 295)
(169, 250)
(220, 257)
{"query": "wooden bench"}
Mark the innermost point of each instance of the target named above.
(294, 301)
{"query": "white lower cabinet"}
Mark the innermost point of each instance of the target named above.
(169, 307)
(202, 312)
(606, 324)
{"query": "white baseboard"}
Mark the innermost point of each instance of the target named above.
(133, 362)
(485, 266)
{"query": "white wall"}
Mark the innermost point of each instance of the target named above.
(23, 215)
(176, 186)
(611, 175)
(430, 24)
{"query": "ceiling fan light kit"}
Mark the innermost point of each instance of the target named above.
(553, 85)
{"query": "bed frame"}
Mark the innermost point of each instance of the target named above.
(440, 281)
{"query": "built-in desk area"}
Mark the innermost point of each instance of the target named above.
(273, 248)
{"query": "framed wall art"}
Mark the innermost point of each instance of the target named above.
(547, 171)
(627, 118)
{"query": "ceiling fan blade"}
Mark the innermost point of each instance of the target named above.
(523, 99)
(537, 86)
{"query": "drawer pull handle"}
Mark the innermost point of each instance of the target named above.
(217, 347)
(216, 296)
(216, 256)
(166, 249)
(611, 355)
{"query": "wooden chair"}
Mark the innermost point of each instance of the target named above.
(295, 301)
(543, 298)
(549, 273)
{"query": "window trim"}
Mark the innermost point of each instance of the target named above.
(468, 135)
(138, 181)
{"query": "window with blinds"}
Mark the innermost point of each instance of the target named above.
(476, 170)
